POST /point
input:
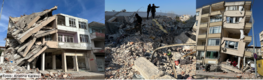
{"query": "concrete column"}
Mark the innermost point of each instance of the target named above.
(43, 62)
(28, 66)
(76, 66)
(64, 62)
(92, 62)
(53, 61)
(86, 61)
(238, 62)
(67, 21)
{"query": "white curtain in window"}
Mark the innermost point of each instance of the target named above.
(240, 8)
(227, 19)
(212, 42)
(234, 20)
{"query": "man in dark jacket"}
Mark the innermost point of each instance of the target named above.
(138, 24)
(154, 10)
(148, 10)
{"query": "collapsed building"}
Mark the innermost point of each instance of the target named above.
(148, 56)
(54, 42)
(222, 37)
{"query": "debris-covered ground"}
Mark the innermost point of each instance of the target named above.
(130, 56)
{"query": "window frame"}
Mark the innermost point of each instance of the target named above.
(82, 25)
(215, 41)
(211, 29)
(235, 45)
(72, 22)
(84, 38)
(212, 54)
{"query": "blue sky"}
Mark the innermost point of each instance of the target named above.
(177, 6)
(257, 15)
(92, 10)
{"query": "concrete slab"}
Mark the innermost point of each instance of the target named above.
(146, 68)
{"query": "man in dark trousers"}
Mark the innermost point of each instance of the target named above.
(154, 10)
(148, 10)
(138, 24)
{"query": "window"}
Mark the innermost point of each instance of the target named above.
(84, 38)
(82, 25)
(233, 19)
(216, 18)
(214, 30)
(231, 8)
(213, 42)
(197, 13)
(60, 38)
(68, 38)
(200, 54)
(196, 22)
(212, 54)
(72, 22)
(48, 38)
(231, 44)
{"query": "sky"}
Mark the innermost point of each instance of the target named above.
(256, 12)
(179, 7)
(92, 10)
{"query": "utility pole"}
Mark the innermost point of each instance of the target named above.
(2, 8)
(254, 53)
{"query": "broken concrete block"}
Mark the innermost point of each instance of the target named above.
(147, 69)
(166, 77)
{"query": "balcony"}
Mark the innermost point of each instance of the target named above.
(248, 54)
(213, 48)
(237, 52)
(234, 13)
(97, 36)
(248, 26)
(200, 47)
(210, 61)
(247, 39)
(52, 44)
(201, 36)
(67, 28)
(98, 50)
(79, 46)
(205, 15)
(216, 35)
(248, 13)
(203, 25)
(215, 24)
(215, 13)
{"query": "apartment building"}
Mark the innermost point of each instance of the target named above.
(56, 41)
(97, 32)
(222, 32)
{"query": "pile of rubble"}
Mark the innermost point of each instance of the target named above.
(130, 56)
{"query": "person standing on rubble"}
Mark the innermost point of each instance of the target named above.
(148, 10)
(154, 10)
(139, 23)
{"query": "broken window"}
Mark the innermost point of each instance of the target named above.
(200, 55)
(231, 44)
(212, 54)
(48, 38)
(214, 30)
(233, 19)
(82, 25)
(72, 22)
(84, 38)
(213, 42)
(216, 18)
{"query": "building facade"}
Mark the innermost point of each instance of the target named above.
(68, 44)
(222, 31)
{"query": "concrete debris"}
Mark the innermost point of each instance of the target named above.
(129, 54)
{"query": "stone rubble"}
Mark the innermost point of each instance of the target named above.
(124, 48)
